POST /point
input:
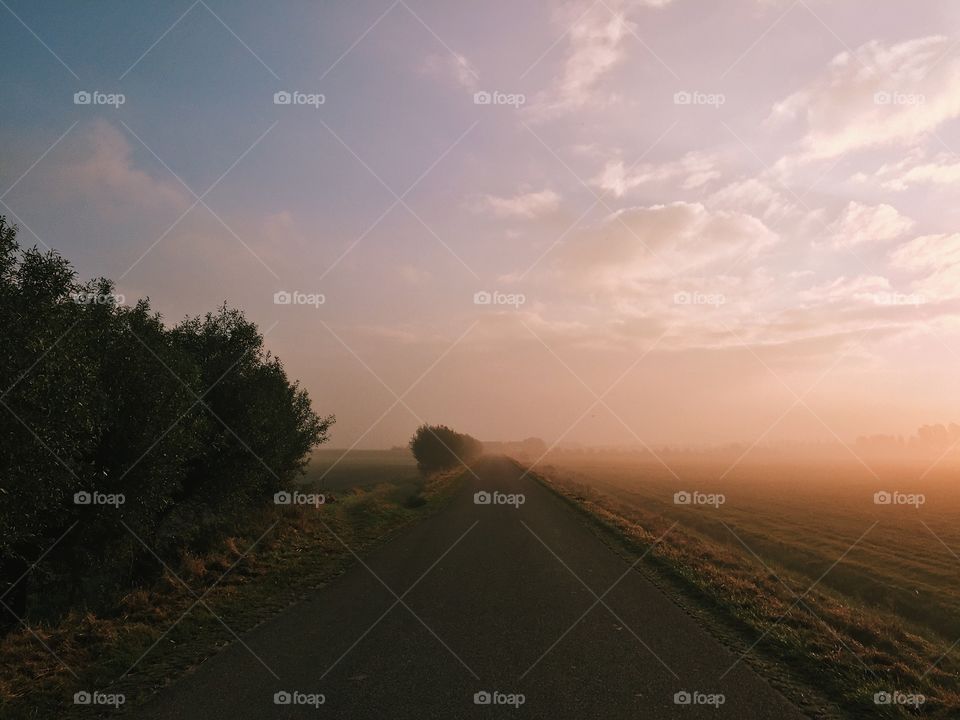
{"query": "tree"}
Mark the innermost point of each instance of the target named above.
(437, 447)
(193, 425)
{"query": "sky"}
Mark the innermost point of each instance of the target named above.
(622, 221)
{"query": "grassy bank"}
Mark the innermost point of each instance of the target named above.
(828, 650)
(158, 632)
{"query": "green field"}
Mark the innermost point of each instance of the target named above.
(880, 584)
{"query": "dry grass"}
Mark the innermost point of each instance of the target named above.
(830, 639)
(297, 555)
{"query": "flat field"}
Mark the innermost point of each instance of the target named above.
(878, 584)
(335, 469)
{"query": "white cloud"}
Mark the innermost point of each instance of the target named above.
(454, 66)
(596, 35)
(755, 196)
(863, 288)
(940, 170)
(693, 169)
(879, 95)
(859, 224)
(937, 258)
(522, 205)
(596, 47)
(104, 173)
(413, 275)
(648, 244)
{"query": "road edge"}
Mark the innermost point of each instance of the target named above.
(806, 698)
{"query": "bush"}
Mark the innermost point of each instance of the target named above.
(193, 424)
(437, 447)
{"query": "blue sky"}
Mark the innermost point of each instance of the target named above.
(716, 206)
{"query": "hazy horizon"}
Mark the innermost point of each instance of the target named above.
(735, 221)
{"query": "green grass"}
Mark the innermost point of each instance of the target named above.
(879, 619)
(298, 555)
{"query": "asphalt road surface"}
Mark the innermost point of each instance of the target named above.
(480, 598)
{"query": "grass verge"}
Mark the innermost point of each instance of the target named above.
(160, 631)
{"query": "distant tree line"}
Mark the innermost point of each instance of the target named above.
(190, 426)
(437, 447)
(529, 449)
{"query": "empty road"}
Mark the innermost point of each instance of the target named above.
(496, 599)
